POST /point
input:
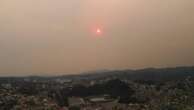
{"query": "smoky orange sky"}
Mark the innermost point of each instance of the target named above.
(49, 37)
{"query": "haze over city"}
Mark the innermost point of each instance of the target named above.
(47, 37)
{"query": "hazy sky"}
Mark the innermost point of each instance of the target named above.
(58, 36)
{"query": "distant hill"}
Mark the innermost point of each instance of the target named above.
(154, 74)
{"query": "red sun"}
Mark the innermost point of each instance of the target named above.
(98, 31)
